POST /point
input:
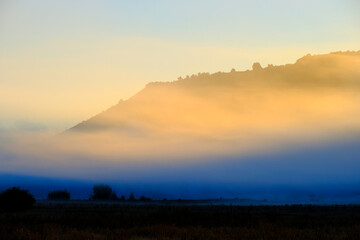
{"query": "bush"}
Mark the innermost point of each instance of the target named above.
(59, 195)
(103, 192)
(143, 198)
(131, 197)
(15, 199)
(256, 66)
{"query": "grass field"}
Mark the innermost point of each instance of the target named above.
(86, 220)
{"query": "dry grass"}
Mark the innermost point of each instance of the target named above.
(97, 222)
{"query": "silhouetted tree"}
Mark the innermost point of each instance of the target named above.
(143, 198)
(59, 195)
(103, 192)
(131, 197)
(15, 199)
(256, 66)
(113, 196)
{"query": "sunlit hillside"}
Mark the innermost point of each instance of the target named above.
(315, 97)
(208, 118)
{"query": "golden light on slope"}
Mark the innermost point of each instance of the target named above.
(223, 114)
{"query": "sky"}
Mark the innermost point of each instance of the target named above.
(294, 124)
(62, 62)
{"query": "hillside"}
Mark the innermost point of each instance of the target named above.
(277, 124)
(227, 104)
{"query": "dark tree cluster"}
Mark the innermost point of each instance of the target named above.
(16, 199)
(100, 192)
(103, 192)
(143, 198)
(59, 195)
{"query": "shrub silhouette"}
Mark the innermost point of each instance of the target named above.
(16, 199)
(114, 196)
(143, 198)
(256, 66)
(131, 197)
(103, 192)
(59, 195)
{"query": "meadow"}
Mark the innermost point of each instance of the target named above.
(52, 220)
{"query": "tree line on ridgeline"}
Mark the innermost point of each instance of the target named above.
(100, 192)
(16, 199)
(104, 192)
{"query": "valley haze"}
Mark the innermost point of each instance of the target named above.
(281, 132)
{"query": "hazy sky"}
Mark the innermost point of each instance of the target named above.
(62, 62)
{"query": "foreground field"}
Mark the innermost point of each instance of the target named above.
(176, 221)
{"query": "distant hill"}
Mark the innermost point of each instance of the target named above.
(315, 90)
(295, 126)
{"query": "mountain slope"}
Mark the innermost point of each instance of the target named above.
(296, 123)
(320, 89)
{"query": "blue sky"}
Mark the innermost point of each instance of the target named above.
(249, 23)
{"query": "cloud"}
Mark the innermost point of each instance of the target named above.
(22, 125)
